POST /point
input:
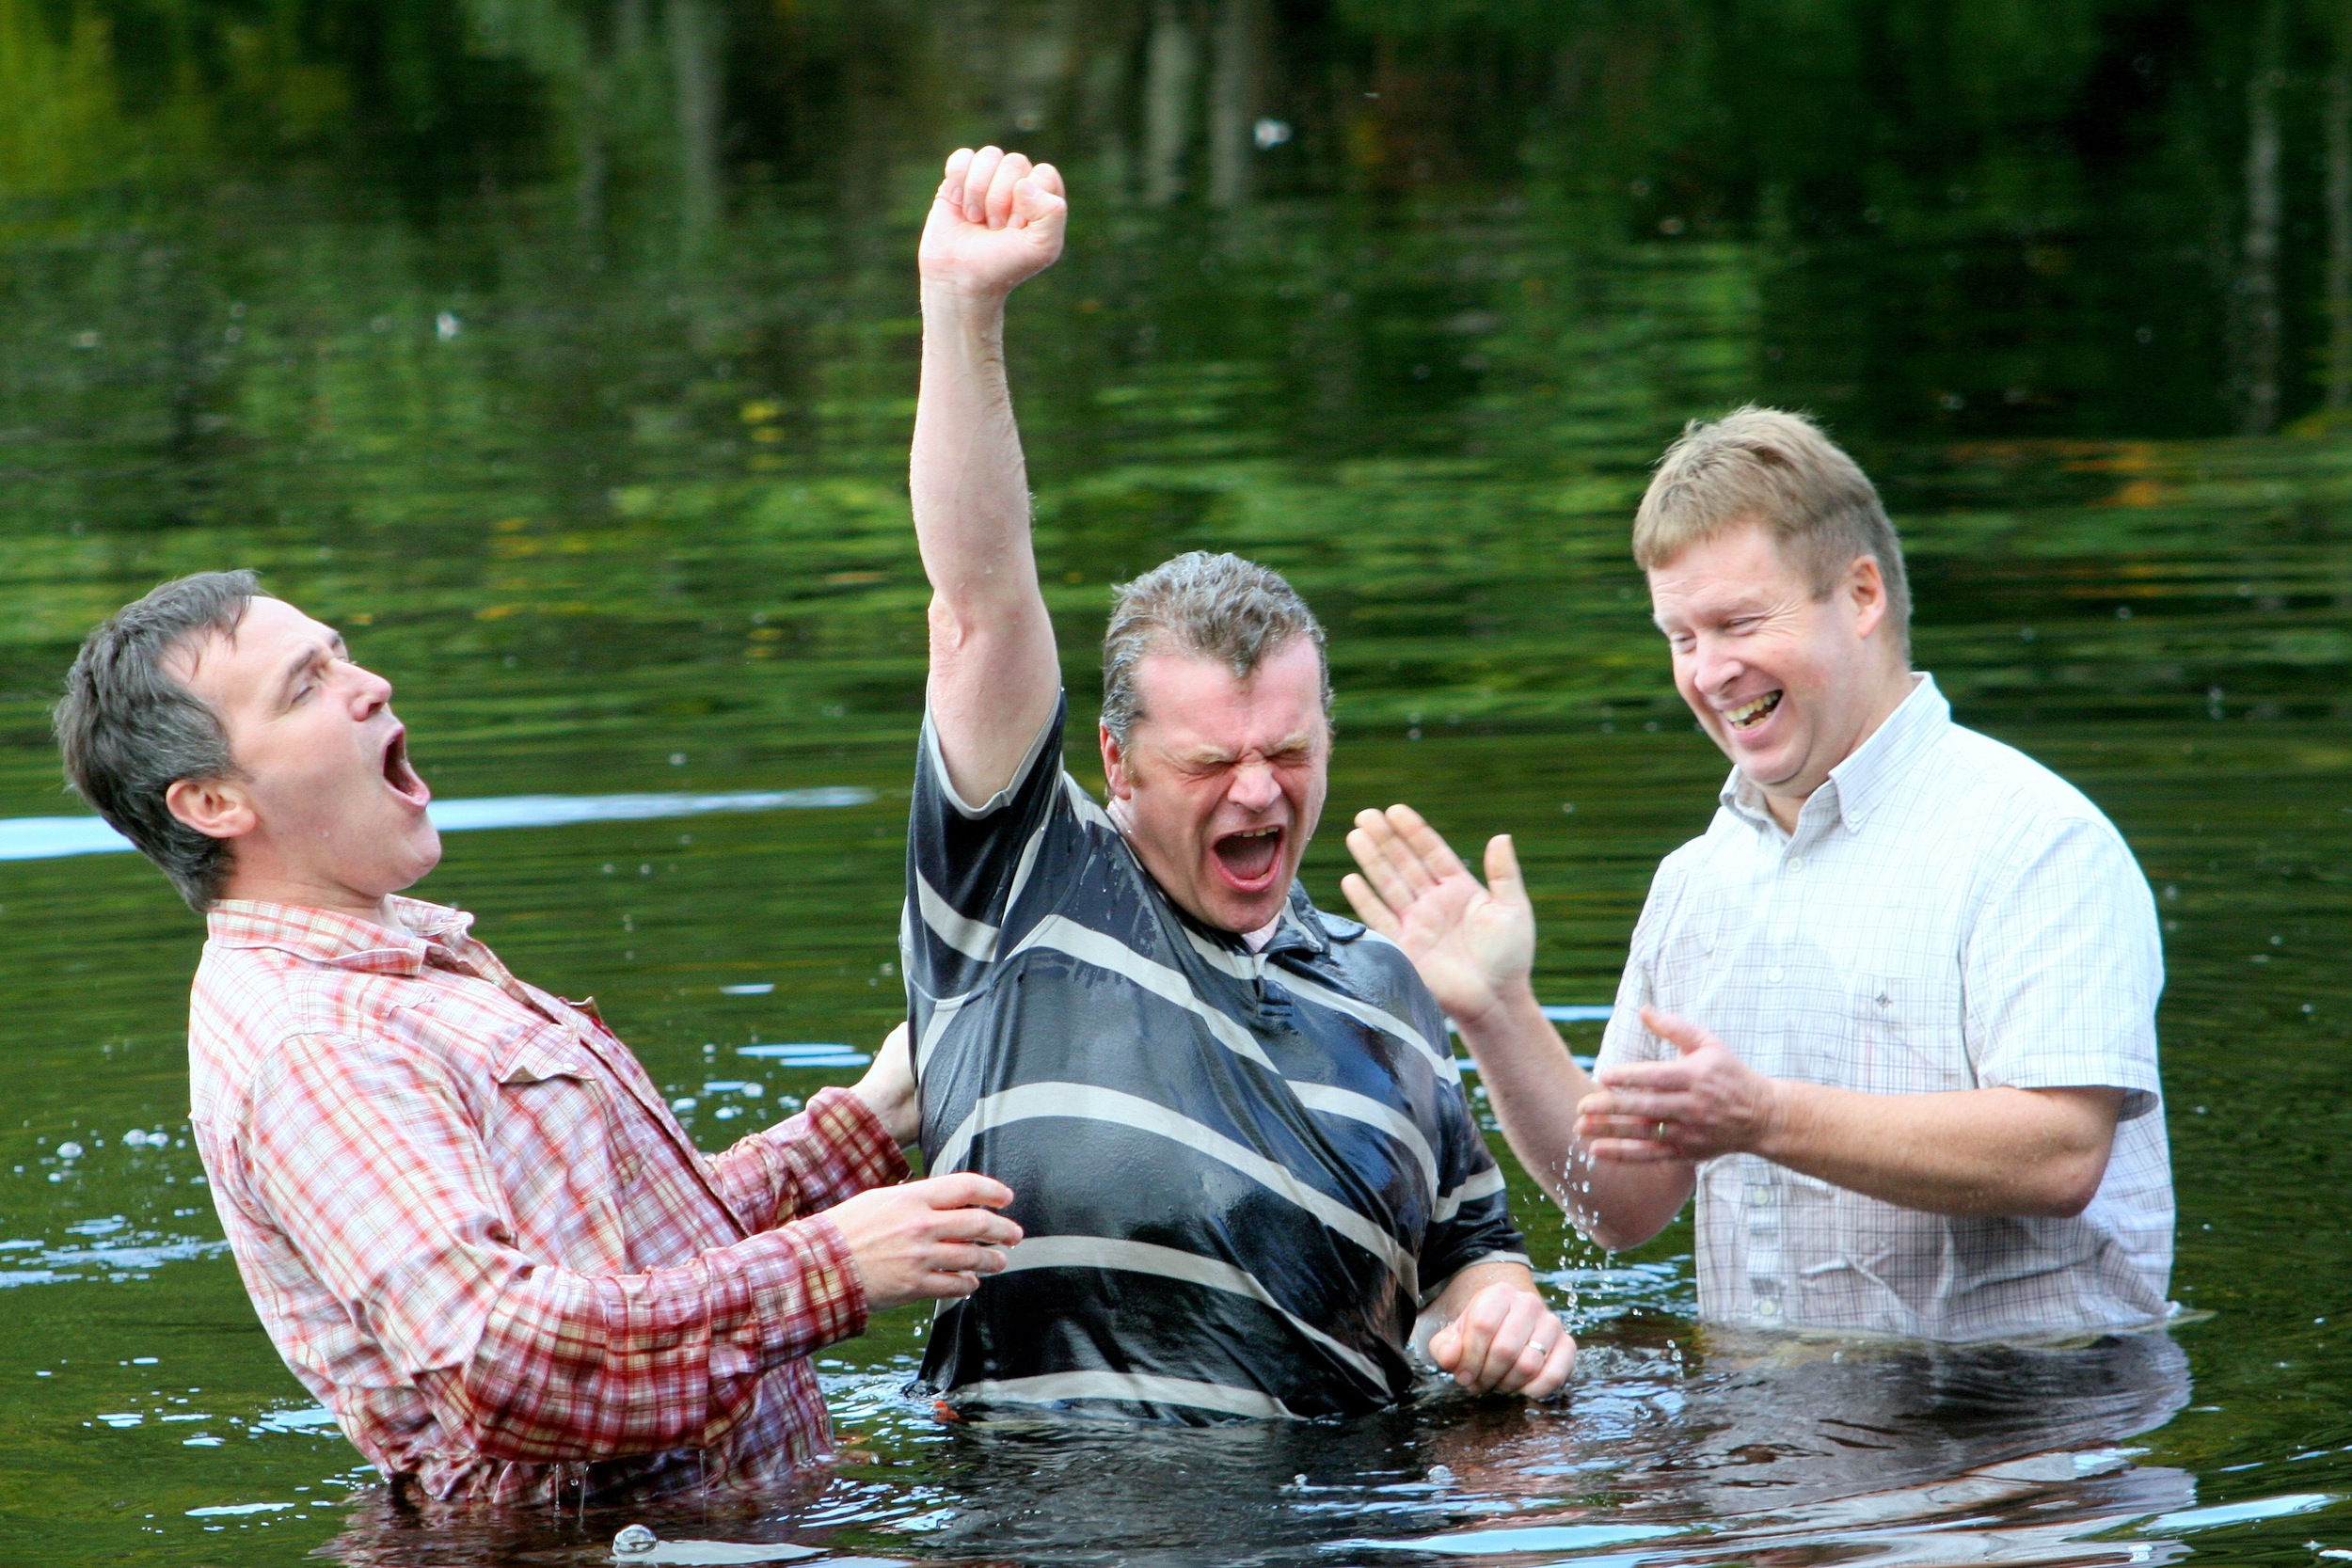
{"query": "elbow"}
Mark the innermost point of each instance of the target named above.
(2068, 1183)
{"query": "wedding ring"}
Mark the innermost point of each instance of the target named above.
(1661, 1131)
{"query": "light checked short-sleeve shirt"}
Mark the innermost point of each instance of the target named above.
(474, 1231)
(1949, 914)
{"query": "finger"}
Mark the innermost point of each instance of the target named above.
(1036, 206)
(947, 1287)
(1503, 872)
(1636, 1105)
(1557, 1366)
(974, 1225)
(966, 1260)
(1680, 1033)
(977, 175)
(1673, 1077)
(1430, 852)
(1445, 1348)
(1644, 1127)
(1048, 178)
(1010, 170)
(1632, 1151)
(1368, 906)
(1373, 852)
(1534, 1352)
(963, 1190)
(951, 185)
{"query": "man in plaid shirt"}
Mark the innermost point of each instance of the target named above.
(462, 1208)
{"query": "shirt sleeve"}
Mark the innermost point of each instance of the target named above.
(967, 865)
(1471, 1221)
(367, 1160)
(835, 1148)
(2063, 967)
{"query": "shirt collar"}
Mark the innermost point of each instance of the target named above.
(344, 941)
(1857, 784)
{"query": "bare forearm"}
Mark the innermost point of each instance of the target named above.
(1534, 1085)
(993, 671)
(2027, 1152)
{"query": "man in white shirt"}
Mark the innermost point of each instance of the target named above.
(1892, 1016)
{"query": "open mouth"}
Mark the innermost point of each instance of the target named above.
(400, 776)
(1751, 712)
(1249, 859)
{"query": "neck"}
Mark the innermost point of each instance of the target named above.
(265, 886)
(1891, 694)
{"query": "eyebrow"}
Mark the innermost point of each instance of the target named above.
(1299, 741)
(335, 648)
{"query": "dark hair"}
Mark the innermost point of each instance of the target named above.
(128, 731)
(1216, 607)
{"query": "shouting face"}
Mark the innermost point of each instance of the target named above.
(1222, 779)
(324, 809)
(1788, 682)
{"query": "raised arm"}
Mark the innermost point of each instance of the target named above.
(996, 222)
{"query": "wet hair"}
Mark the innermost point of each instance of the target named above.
(1217, 606)
(128, 731)
(1763, 466)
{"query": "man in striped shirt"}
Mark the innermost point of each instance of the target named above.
(462, 1210)
(1246, 1173)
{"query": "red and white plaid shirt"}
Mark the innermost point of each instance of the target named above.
(476, 1233)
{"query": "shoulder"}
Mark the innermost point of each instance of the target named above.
(2017, 804)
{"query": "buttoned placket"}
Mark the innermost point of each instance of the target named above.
(1763, 1194)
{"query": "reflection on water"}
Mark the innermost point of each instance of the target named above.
(562, 354)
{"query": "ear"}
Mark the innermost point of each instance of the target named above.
(1113, 763)
(217, 808)
(1867, 587)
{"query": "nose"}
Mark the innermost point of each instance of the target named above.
(1714, 666)
(369, 690)
(1254, 787)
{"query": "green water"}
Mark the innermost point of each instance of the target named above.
(564, 355)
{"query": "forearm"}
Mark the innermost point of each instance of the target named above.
(577, 1367)
(1533, 1086)
(1973, 1153)
(835, 1148)
(994, 676)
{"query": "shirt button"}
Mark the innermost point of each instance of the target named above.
(1768, 1308)
(1773, 974)
(1759, 1196)
(1796, 862)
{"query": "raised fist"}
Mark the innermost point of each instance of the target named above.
(997, 222)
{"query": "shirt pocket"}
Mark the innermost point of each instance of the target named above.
(1904, 1037)
(552, 1140)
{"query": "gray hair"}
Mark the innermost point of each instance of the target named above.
(128, 731)
(1216, 607)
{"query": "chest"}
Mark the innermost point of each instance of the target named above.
(1833, 961)
(594, 1172)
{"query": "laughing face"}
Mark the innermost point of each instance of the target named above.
(1787, 682)
(1222, 779)
(326, 810)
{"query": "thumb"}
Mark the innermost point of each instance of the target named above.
(1445, 1346)
(1680, 1033)
(1034, 201)
(1503, 872)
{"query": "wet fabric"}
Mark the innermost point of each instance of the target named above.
(1241, 1175)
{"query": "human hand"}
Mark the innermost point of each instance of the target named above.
(1507, 1341)
(1471, 944)
(997, 222)
(1706, 1102)
(888, 1088)
(926, 1241)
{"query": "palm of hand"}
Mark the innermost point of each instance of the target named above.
(1465, 941)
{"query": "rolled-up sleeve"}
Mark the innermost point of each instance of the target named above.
(368, 1159)
(836, 1149)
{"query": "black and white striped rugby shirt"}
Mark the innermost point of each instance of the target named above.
(1240, 1175)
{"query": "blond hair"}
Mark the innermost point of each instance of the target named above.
(1763, 466)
